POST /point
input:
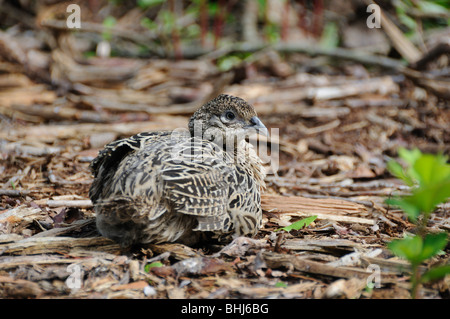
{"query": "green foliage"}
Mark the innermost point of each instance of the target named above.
(191, 31)
(145, 4)
(168, 21)
(281, 284)
(417, 250)
(116, 2)
(272, 32)
(435, 273)
(299, 224)
(429, 177)
(152, 265)
(149, 23)
(439, 7)
(164, 23)
(405, 8)
(330, 36)
(108, 23)
(230, 61)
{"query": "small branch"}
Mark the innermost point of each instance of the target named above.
(132, 35)
(339, 53)
(81, 203)
(14, 192)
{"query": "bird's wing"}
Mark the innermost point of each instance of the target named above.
(115, 151)
(104, 166)
(197, 183)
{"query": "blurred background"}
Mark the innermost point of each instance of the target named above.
(341, 85)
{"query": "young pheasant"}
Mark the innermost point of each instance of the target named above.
(172, 187)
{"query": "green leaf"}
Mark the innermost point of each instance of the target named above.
(426, 198)
(397, 170)
(435, 273)
(408, 21)
(409, 156)
(431, 172)
(409, 248)
(330, 36)
(430, 7)
(152, 265)
(228, 62)
(271, 32)
(168, 21)
(108, 23)
(281, 284)
(415, 249)
(431, 169)
(299, 224)
(432, 244)
(148, 23)
(408, 205)
(145, 4)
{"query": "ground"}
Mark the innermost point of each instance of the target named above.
(335, 120)
(336, 172)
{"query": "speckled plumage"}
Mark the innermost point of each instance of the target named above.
(182, 187)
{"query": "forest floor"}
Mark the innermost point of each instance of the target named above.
(334, 124)
(331, 164)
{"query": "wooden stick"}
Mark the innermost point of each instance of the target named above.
(50, 112)
(48, 245)
(399, 41)
(70, 203)
(275, 260)
(327, 208)
(14, 192)
(340, 53)
(77, 225)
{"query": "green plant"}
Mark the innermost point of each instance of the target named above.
(330, 36)
(299, 224)
(145, 4)
(109, 22)
(429, 178)
(426, 14)
(281, 284)
(153, 265)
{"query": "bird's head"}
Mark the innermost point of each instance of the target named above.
(226, 117)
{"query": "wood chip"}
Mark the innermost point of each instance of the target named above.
(46, 245)
(327, 209)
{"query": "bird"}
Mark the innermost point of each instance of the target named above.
(183, 186)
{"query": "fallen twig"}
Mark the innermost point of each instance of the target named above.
(14, 192)
(275, 260)
(46, 245)
(70, 203)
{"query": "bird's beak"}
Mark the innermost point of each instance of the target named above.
(257, 125)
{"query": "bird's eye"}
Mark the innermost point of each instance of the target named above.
(229, 116)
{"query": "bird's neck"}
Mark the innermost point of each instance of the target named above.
(246, 158)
